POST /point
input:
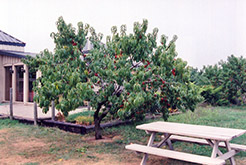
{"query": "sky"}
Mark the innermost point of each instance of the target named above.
(208, 30)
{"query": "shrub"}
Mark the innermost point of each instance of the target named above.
(84, 120)
(72, 117)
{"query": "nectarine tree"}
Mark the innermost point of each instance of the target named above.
(128, 76)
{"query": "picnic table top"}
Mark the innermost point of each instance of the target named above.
(198, 131)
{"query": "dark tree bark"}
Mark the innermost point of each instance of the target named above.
(97, 120)
(98, 130)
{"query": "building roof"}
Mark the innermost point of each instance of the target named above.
(16, 54)
(6, 39)
(89, 46)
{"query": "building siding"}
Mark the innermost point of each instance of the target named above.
(11, 47)
(1, 79)
(6, 61)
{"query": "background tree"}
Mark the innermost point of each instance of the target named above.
(223, 83)
(234, 78)
(128, 77)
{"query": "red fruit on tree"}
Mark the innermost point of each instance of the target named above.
(73, 43)
(143, 83)
(162, 99)
(128, 93)
(92, 86)
(115, 56)
(173, 72)
(163, 82)
(96, 74)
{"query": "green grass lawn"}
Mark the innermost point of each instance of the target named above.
(60, 146)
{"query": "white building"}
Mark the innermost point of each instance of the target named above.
(13, 73)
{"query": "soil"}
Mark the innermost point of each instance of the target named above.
(11, 152)
(21, 150)
(94, 141)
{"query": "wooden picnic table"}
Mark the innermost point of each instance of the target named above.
(214, 136)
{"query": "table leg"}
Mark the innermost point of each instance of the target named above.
(163, 141)
(211, 143)
(228, 147)
(151, 140)
(169, 143)
(215, 149)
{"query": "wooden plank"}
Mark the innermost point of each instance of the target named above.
(215, 149)
(35, 113)
(53, 110)
(237, 147)
(199, 128)
(175, 154)
(150, 143)
(228, 147)
(169, 143)
(228, 155)
(206, 132)
(163, 141)
(212, 145)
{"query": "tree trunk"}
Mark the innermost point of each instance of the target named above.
(97, 121)
(98, 130)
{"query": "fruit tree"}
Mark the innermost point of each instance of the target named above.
(129, 76)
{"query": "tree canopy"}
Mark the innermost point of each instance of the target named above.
(129, 76)
(223, 83)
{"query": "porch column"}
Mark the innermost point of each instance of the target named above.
(14, 82)
(26, 84)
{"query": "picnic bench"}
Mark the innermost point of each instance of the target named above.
(204, 135)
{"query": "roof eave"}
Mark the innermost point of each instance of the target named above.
(13, 44)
